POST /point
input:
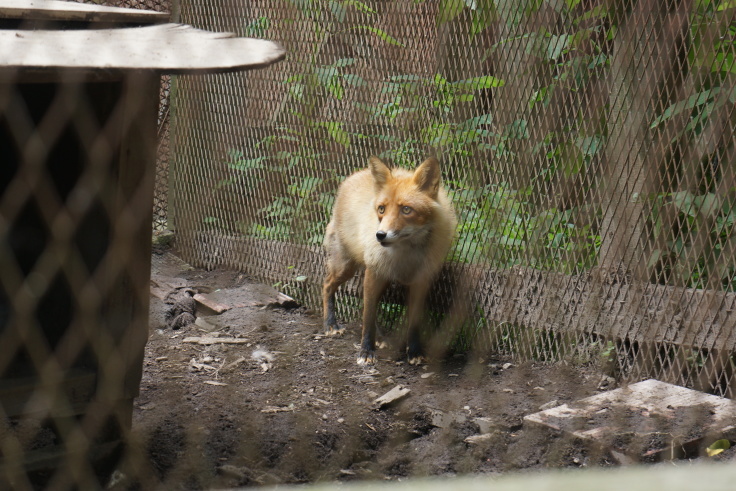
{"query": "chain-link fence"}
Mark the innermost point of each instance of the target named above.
(587, 147)
(161, 190)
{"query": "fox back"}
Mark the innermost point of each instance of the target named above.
(398, 223)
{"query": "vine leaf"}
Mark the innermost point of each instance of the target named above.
(383, 35)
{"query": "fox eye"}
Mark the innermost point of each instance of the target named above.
(381, 209)
(406, 210)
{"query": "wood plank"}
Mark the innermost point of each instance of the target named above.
(167, 48)
(523, 297)
(51, 10)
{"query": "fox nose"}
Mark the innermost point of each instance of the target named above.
(380, 235)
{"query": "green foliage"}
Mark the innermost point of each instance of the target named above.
(696, 214)
(499, 225)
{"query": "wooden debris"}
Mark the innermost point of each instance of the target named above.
(283, 301)
(210, 303)
(277, 409)
(207, 340)
(392, 396)
(234, 364)
(215, 382)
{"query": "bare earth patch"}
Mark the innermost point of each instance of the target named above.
(285, 404)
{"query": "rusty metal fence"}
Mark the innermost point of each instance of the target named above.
(588, 148)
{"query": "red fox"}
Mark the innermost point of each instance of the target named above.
(398, 225)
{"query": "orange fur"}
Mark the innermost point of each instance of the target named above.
(396, 224)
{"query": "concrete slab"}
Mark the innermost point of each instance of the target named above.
(649, 420)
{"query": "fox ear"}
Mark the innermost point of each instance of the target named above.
(427, 177)
(379, 170)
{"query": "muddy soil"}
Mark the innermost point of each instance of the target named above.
(289, 405)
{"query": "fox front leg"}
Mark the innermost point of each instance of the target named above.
(373, 288)
(415, 312)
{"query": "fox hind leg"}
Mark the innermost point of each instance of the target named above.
(338, 274)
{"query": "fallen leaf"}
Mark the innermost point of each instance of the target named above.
(717, 447)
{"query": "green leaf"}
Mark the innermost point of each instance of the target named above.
(694, 100)
(594, 13)
(483, 17)
(589, 145)
(518, 129)
(683, 201)
(484, 82)
(557, 45)
(707, 204)
(449, 10)
(247, 164)
(343, 62)
(257, 27)
(479, 120)
(300, 278)
(725, 5)
(717, 447)
(570, 159)
(383, 35)
(337, 133)
(360, 6)
(338, 10)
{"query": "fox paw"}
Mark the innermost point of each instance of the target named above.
(334, 330)
(366, 358)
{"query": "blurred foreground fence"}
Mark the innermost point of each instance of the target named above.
(588, 147)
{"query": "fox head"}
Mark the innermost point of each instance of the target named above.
(405, 201)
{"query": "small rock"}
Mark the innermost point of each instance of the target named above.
(486, 425)
(441, 419)
(204, 325)
(606, 382)
(231, 471)
(476, 439)
(549, 405)
(396, 394)
(506, 366)
(427, 375)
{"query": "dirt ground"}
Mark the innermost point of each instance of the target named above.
(289, 405)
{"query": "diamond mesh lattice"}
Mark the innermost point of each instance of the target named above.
(588, 147)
